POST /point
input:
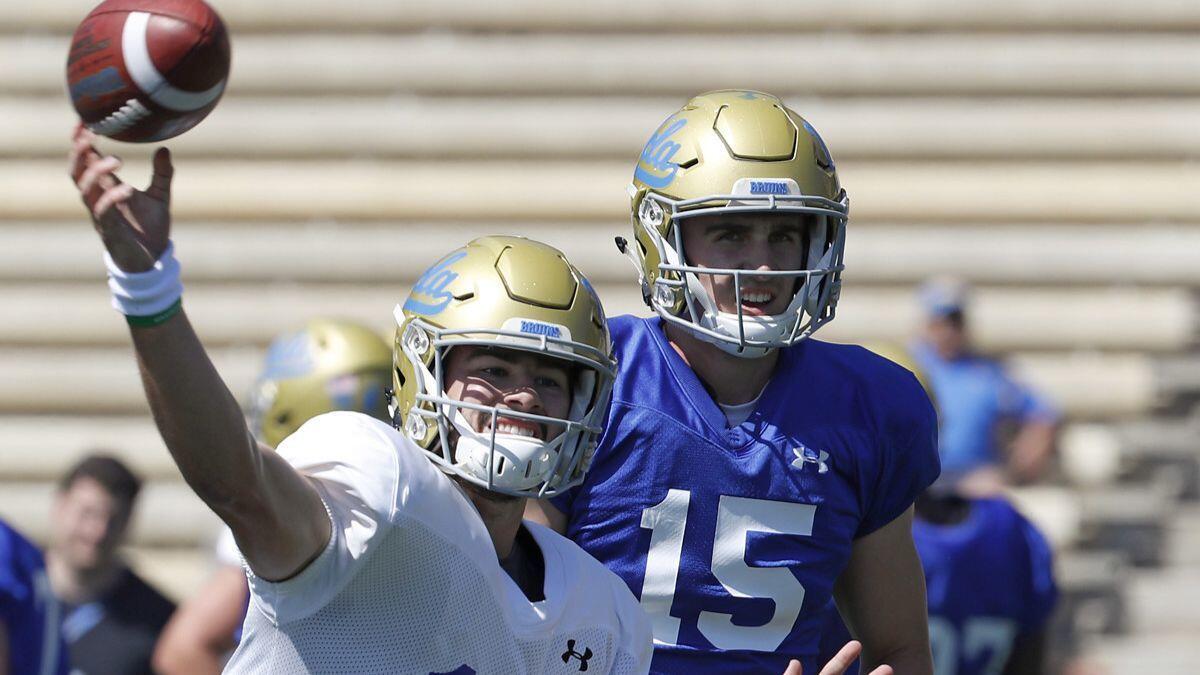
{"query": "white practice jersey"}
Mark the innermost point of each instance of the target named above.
(410, 583)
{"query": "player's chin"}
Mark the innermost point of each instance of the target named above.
(486, 494)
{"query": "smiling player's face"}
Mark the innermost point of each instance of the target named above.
(512, 379)
(747, 241)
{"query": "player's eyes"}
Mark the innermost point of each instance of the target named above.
(494, 372)
(551, 381)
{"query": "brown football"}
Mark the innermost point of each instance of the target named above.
(146, 70)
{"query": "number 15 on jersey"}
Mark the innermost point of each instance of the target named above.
(736, 518)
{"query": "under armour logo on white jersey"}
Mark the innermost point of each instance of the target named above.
(572, 654)
(809, 456)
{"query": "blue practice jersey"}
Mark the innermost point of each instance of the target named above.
(733, 537)
(28, 610)
(990, 580)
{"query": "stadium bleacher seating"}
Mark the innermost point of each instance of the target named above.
(1044, 151)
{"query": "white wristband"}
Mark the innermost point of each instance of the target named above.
(143, 294)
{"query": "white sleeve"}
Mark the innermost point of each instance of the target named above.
(353, 462)
(636, 634)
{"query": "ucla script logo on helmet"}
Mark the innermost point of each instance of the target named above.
(429, 295)
(655, 167)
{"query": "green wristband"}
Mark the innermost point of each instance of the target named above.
(155, 319)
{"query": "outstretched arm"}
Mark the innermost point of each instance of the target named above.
(275, 512)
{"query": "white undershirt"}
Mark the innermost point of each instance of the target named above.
(736, 414)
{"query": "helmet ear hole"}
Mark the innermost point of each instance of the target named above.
(400, 377)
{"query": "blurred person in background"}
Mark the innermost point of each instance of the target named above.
(980, 405)
(329, 365)
(989, 574)
(111, 617)
(30, 621)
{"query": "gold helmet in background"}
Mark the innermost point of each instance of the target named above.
(736, 151)
(329, 365)
(903, 357)
(513, 293)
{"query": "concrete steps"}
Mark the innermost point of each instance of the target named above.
(1162, 655)
(94, 380)
(97, 381)
(40, 448)
(310, 249)
(508, 191)
(608, 127)
(1004, 319)
(1026, 64)
(662, 16)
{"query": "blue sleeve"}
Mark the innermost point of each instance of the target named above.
(1043, 592)
(1022, 402)
(14, 587)
(908, 459)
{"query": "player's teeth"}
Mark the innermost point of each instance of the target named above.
(757, 297)
(515, 430)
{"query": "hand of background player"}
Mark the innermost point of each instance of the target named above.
(839, 663)
(135, 225)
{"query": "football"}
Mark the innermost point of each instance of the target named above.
(143, 71)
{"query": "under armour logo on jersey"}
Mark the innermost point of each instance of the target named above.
(809, 456)
(572, 654)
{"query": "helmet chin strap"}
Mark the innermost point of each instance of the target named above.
(756, 328)
(505, 459)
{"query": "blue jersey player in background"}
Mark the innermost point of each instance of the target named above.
(30, 638)
(991, 585)
(990, 578)
(748, 475)
(989, 574)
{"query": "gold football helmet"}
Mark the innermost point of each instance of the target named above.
(736, 151)
(329, 365)
(513, 293)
